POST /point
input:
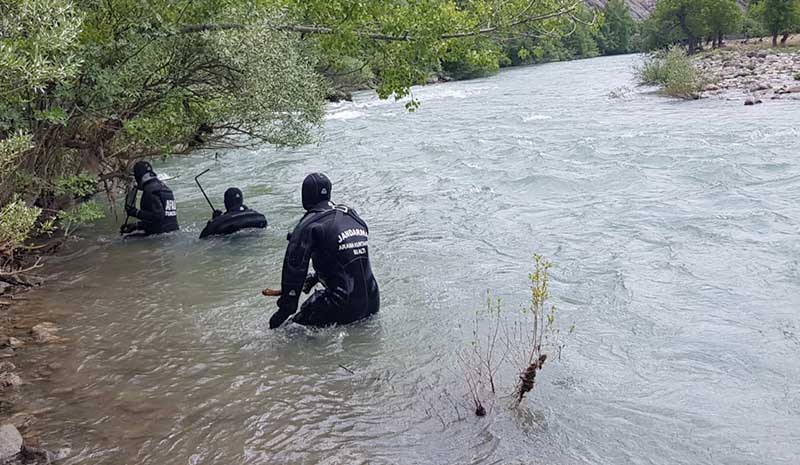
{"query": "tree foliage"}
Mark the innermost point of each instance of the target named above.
(722, 17)
(618, 29)
(778, 17)
(88, 86)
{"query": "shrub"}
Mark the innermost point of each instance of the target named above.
(508, 350)
(672, 70)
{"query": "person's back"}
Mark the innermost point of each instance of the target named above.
(157, 209)
(336, 239)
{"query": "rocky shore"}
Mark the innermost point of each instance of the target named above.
(19, 442)
(751, 75)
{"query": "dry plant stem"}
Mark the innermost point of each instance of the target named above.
(26, 270)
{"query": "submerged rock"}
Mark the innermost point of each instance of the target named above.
(8, 380)
(43, 332)
(752, 101)
(10, 442)
(338, 96)
(7, 366)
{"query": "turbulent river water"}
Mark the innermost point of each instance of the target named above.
(673, 230)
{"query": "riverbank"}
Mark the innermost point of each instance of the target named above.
(21, 331)
(752, 73)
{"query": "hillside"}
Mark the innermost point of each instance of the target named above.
(640, 9)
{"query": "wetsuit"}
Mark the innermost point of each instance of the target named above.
(157, 210)
(335, 239)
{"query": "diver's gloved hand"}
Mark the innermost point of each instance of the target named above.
(127, 228)
(311, 281)
(132, 211)
(216, 214)
(278, 318)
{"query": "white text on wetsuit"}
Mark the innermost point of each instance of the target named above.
(359, 247)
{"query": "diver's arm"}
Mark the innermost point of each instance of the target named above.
(295, 268)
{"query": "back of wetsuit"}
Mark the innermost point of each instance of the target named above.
(336, 239)
(158, 212)
(341, 260)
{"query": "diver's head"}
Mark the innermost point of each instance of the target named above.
(316, 189)
(233, 199)
(143, 172)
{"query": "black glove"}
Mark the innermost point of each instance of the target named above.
(311, 281)
(278, 318)
(127, 228)
(131, 211)
(216, 214)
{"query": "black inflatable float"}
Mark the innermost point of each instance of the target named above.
(229, 223)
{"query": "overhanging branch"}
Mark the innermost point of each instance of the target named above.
(406, 37)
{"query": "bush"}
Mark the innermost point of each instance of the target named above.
(672, 70)
(506, 350)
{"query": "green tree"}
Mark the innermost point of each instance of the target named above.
(722, 17)
(684, 17)
(616, 33)
(88, 86)
(780, 17)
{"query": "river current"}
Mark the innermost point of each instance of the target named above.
(673, 231)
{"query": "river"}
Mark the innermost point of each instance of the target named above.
(672, 227)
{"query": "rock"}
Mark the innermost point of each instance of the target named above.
(7, 366)
(22, 420)
(5, 287)
(760, 87)
(338, 96)
(711, 88)
(752, 101)
(43, 332)
(10, 442)
(15, 343)
(8, 379)
(793, 90)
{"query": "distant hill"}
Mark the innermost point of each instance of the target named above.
(640, 9)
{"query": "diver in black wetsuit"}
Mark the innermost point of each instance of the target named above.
(237, 216)
(335, 238)
(158, 212)
(234, 202)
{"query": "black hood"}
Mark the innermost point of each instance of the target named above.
(316, 189)
(233, 199)
(143, 172)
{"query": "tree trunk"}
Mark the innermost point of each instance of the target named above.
(775, 39)
(721, 40)
(692, 44)
(714, 42)
(784, 38)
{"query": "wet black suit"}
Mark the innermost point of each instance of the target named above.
(335, 239)
(157, 210)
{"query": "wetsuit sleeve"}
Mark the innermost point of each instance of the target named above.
(156, 214)
(295, 267)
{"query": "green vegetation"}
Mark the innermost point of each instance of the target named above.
(88, 86)
(618, 30)
(691, 22)
(779, 17)
(672, 70)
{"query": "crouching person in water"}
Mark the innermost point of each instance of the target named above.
(157, 212)
(234, 202)
(335, 239)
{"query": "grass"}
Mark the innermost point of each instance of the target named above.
(673, 72)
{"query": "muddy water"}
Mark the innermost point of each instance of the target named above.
(672, 225)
